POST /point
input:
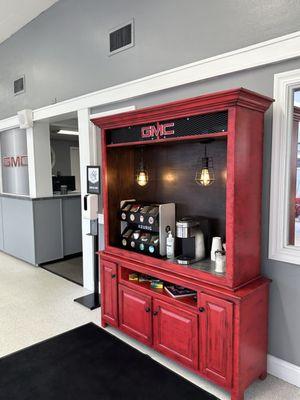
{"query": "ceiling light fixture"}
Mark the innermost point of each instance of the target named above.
(142, 174)
(206, 175)
(65, 132)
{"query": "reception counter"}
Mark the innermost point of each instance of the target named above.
(40, 230)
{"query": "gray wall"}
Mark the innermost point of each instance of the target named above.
(64, 52)
(62, 61)
(62, 156)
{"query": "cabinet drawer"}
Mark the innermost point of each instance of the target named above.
(175, 333)
(135, 317)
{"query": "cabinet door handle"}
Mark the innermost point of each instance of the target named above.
(147, 309)
(201, 309)
(155, 313)
(113, 275)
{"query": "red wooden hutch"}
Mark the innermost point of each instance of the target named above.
(222, 333)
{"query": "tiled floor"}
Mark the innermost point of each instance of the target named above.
(36, 305)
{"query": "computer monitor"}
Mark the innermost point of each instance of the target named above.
(58, 181)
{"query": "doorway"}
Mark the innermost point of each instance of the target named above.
(66, 185)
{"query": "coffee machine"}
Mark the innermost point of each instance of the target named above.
(190, 241)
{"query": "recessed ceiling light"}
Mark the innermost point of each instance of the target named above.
(65, 132)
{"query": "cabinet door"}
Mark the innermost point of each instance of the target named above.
(135, 314)
(216, 327)
(175, 333)
(109, 300)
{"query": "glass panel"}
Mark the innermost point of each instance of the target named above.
(294, 231)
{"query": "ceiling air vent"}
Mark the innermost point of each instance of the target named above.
(121, 38)
(19, 85)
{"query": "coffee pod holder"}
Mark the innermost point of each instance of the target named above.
(144, 226)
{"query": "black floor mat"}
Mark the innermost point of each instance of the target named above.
(70, 269)
(90, 364)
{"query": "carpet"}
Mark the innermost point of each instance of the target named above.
(88, 363)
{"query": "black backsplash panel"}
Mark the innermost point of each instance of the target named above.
(172, 169)
(190, 126)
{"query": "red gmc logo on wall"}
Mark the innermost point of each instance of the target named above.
(158, 130)
(15, 161)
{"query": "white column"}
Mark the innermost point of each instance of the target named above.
(39, 160)
(88, 156)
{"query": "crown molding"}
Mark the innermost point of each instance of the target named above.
(188, 107)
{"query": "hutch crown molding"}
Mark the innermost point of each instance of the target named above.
(221, 331)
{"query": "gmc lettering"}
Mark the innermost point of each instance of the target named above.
(158, 130)
(17, 161)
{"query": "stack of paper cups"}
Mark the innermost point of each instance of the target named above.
(216, 245)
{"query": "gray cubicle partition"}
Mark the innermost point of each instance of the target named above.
(17, 228)
(40, 230)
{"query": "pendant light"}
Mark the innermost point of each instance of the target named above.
(142, 174)
(206, 175)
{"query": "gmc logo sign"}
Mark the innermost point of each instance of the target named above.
(158, 130)
(17, 161)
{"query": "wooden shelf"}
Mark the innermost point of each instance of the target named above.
(159, 293)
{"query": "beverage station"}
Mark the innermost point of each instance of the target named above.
(180, 270)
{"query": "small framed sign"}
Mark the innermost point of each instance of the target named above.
(93, 180)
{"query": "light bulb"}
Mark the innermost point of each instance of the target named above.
(205, 178)
(142, 178)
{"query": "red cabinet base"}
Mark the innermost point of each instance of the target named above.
(175, 333)
(216, 338)
(221, 335)
(109, 298)
(135, 314)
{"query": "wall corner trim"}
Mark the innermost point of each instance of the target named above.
(284, 370)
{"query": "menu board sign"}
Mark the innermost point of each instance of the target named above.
(93, 180)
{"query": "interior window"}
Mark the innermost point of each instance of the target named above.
(294, 228)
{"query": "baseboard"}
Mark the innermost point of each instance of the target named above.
(284, 370)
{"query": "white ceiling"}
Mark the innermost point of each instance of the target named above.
(14, 14)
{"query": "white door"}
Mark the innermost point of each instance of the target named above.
(75, 166)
